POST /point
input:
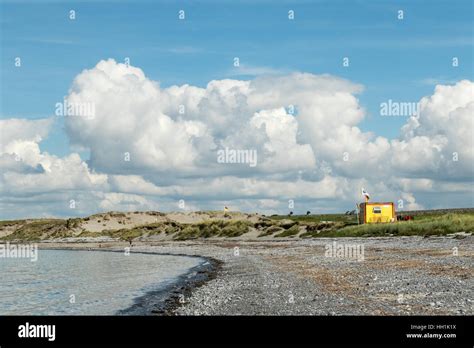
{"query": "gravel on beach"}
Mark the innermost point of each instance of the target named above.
(369, 276)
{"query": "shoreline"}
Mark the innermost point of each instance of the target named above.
(165, 300)
(397, 276)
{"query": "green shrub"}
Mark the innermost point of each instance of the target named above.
(270, 230)
(235, 228)
(292, 231)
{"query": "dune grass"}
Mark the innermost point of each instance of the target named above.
(7, 223)
(323, 228)
(38, 229)
(213, 228)
(207, 229)
(292, 231)
(349, 219)
(125, 233)
(270, 230)
(329, 225)
(440, 225)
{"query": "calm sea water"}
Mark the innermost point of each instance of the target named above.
(102, 282)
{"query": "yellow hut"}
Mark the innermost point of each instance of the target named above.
(376, 212)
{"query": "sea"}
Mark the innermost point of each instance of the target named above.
(80, 282)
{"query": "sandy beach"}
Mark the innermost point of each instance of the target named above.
(392, 276)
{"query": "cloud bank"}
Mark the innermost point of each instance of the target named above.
(151, 147)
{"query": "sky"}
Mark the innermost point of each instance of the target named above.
(137, 63)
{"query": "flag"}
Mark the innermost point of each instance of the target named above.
(365, 193)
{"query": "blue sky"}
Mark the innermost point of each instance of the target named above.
(393, 59)
(401, 60)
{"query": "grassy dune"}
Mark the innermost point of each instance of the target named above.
(37, 229)
(349, 219)
(439, 225)
(213, 228)
(238, 224)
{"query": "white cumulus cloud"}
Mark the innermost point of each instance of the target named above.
(152, 146)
